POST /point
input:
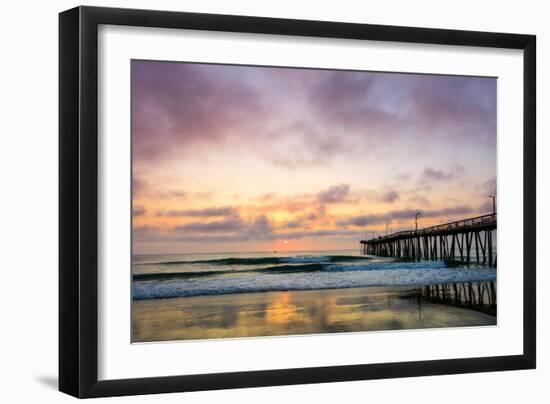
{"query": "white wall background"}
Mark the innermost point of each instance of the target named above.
(28, 202)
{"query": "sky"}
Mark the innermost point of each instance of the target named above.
(230, 158)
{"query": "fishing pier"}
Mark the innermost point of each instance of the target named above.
(468, 240)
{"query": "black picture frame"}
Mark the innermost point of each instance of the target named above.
(78, 201)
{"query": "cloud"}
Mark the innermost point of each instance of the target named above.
(402, 177)
(222, 226)
(377, 108)
(274, 203)
(334, 194)
(435, 175)
(308, 117)
(173, 194)
(311, 216)
(141, 188)
(203, 195)
(303, 144)
(365, 112)
(138, 187)
(258, 229)
(266, 197)
(182, 104)
(384, 196)
(450, 211)
(389, 197)
(293, 224)
(419, 200)
(207, 212)
(315, 233)
(304, 202)
(431, 174)
(347, 100)
(138, 210)
(235, 228)
(490, 186)
(145, 231)
(457, 108)
(404, 214)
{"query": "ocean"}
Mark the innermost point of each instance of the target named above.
(185, 275)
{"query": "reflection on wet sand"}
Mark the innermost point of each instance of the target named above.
(314, 312)
(480, 296)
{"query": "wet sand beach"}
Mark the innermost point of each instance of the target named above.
(314, 312)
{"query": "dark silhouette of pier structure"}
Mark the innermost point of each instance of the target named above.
(479, 296)
(468, 240)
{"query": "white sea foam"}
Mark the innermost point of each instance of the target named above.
(333, 276)
(304, 259)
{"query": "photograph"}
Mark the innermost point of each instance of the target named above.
(271, 201)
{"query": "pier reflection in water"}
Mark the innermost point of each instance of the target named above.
(480, 296)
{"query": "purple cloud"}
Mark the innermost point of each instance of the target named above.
(490, 186)
(404, 214)
(258, 229)
(379, 107)
(208, 212)
(222, 226)
(179, 104)
(138, 186)
(138, 211)
(431, 174)
(346, 99)
(293, 224)
(320, 113)
(174, 194)
(389, 197)
(233, 228)
(436, 175)
(311, 216)
(334, 194)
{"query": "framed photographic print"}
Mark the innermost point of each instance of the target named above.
(250, 201)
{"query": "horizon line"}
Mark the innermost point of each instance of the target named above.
(243, 252)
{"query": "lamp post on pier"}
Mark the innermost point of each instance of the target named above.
(494, 204)
(416, 220)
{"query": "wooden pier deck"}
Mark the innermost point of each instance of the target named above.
(449, 241)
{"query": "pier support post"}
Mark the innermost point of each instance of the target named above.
(476, 235)
(490, 247)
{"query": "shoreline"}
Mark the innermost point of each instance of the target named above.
(396, 287)
(373, 308)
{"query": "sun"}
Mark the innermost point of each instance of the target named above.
(285, 242)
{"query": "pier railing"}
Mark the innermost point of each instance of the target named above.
(479, 222)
